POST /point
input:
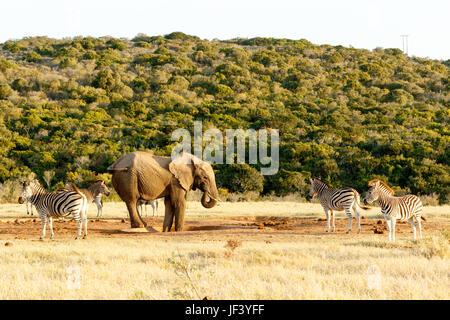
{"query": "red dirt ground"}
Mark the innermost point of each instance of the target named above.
(243, 228)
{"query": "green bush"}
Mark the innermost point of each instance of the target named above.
(5, 91)
(240, 178)
(32, 57)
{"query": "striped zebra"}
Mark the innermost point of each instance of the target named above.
(49, 205)
(94, 193)
(408, 207)
(141, 203)
(337, 200)
(30, 211)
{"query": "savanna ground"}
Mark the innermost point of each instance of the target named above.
(236, 250)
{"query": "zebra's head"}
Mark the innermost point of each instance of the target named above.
(377, 188)
(28, 189)
(313, 190)
(99, 187)
(104, 189)
(371, 195)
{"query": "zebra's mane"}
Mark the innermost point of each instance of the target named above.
(315, 178)
(94, 182)
(374, 181)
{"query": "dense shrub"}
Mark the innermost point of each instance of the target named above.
(344, 114)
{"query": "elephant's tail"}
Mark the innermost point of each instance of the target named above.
(111, 168)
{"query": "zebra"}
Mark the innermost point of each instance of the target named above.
(408, 207)
(141, 203)
(337, 200)
(94, 193)
(49, 205)
(30, 211)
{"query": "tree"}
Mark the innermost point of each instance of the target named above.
(239, 178)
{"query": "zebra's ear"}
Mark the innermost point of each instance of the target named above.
(311, 180)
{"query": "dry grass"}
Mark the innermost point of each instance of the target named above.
(306, 267)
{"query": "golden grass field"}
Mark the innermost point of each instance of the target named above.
(237, 250)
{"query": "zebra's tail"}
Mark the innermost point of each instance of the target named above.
(358, 200)
(83, 196)
(423, 218)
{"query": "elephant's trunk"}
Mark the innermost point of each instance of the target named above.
(208, 204)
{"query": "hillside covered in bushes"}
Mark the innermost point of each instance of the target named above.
(70, 107)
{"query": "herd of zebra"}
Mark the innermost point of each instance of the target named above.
(69, 200)
(72, 200)
(393, 208)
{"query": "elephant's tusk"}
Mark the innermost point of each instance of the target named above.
(218, 200)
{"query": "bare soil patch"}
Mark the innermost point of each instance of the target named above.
(242, 228)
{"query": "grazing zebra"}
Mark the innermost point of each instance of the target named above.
(141, 203)
(408, 207)
(49, 205)
(337, 200)
(94, 193)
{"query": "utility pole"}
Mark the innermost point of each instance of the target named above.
(405, 43)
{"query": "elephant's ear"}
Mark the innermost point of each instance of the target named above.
(181, 167)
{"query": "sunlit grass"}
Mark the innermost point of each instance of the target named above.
(147, 269)
(305, 267)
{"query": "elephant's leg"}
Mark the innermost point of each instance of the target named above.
(125, 184)
(135, 218)
(179, 206)
(168, 216)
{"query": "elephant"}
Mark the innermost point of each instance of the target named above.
(143, 176)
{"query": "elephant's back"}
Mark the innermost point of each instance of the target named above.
(138, 159)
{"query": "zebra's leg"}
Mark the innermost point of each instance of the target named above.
(99, 209)
(349, 215)
(358, 218)
(50, 226)
(79, 228)
(78, 216)
(332, 217)
(84, 217)
(419, 223)
(44, 224)
(153, 203)
(388, 224)
(84, 221)
(393, 221)
(328, 219)
(411, 223)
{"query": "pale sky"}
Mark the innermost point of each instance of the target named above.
(361, 24)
